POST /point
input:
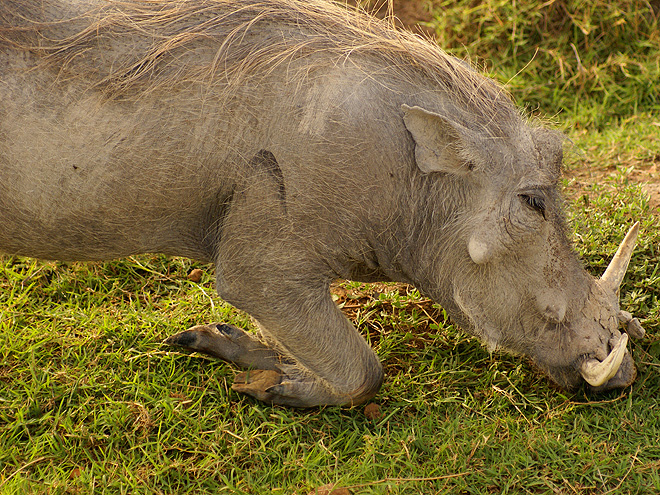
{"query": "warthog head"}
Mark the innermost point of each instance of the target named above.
(513, 277)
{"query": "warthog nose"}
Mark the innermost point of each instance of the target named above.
(598, 373)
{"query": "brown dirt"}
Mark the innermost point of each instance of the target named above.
(645, 174)
(372, 411)
(329, 489)
(195, 275)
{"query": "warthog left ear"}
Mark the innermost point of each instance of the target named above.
(438, 141)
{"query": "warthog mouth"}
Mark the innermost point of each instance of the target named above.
(624, 376)
(617, 370)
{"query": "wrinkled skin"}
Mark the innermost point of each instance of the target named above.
(327, 166)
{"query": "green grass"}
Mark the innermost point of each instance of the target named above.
(592, 62)
(91, 402)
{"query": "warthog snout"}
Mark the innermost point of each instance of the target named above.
(608, 372)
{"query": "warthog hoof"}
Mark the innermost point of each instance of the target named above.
(257, 383)
(273, 387)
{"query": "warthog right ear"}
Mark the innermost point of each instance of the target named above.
(438, 141)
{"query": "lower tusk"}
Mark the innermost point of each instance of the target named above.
(596, 373)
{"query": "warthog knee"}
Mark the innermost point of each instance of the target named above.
(373, 379)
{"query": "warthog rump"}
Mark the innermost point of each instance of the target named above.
(292, 143)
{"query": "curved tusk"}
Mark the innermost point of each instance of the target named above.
(615, 272)
(596, 373)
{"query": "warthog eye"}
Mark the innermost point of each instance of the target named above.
(536, 203)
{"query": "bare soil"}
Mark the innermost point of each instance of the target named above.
(647, 174)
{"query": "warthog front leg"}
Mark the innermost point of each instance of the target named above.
(324, 361)
(232, 344)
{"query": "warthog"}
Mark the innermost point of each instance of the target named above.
(293, 143)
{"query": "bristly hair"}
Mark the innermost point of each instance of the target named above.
(157, 42)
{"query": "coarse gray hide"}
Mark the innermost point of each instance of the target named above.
(294, 143)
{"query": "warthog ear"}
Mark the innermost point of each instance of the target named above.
(438, 141)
